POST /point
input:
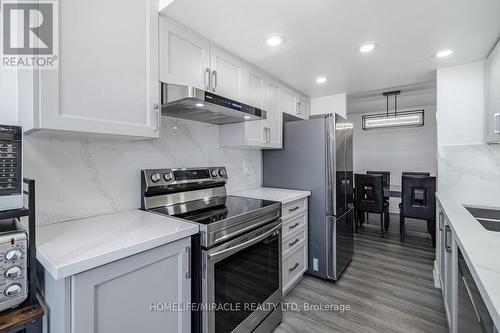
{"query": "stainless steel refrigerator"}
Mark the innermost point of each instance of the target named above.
(317, 156)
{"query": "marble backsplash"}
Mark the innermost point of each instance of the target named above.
(84, 175)
(469, 171)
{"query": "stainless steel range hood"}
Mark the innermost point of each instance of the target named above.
(191, 103)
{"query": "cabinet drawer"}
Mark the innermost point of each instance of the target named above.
(293, 207)
(294, 266)
(292, 225)
(293, 241)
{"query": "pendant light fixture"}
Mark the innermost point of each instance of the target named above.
(413, 118)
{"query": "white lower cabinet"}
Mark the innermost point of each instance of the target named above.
(447, 265)
(294, 243)
(127, 296)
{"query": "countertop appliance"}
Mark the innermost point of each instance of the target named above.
(473, 315)
(191, 103)
(317, 156)
(236, 258)
(13, 264)
(11, 171)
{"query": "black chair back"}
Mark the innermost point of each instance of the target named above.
(419, 197)
(369, 193)
(412, 173)
(386, 176)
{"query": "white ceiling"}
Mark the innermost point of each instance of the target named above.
(323, 37)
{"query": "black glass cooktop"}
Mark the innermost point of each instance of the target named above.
(230, 206)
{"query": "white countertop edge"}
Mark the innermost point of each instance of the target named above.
(64, 271)
(293, 195)
(493, 309)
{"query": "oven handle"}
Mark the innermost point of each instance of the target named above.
(216, 256)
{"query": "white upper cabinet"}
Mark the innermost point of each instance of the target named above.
(303, 107)
(107, 81)
(492, 95)
(263, 93)
(289, 102)
(228, 75)
(185, 57)
(274, 115)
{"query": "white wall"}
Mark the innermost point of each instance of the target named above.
(460, 104)
(83, 175)
(396, 150)
(329, 104)
(467, 167)
(8, 97)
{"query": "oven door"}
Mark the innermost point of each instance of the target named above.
(242, 280)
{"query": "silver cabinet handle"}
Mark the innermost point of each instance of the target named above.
(294, 267)
(446, 232)
(293, 243)
(496, 123)
(156, 109)
(293, 226)
(208, 79)
(214, 77)
(291, 210)
(264, 135)
(441, 220)
(268, 135)
(188, 251)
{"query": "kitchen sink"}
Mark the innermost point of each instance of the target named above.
(488, 217)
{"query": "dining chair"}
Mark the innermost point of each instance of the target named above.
(419, 202)
(370, 199)
(386, 179)
(413, 173)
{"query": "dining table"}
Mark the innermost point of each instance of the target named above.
(393, 191)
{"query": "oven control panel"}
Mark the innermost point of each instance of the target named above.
(13, 265)
(166, 177)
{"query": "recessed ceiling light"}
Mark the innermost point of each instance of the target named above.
(321, 80)
(200, 105)
(368, 47)
(444, 53)
(274, 40)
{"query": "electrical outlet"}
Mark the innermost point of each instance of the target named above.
(246, 169)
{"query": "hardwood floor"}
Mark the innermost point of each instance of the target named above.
(388, 286)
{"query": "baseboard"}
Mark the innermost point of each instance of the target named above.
(437, 278)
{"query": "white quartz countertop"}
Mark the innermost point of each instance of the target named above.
(480, 247)
(71, 247)
(274, 194)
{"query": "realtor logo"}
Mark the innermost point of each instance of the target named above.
(29, 34)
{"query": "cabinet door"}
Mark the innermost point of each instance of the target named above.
(107, 81)
(274, 115)
(303, 107)
(127, 296)
(228, 75)
(492, 88)
(288, 102)
(256, 131)
(184, 57)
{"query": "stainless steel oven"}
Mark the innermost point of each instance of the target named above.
(242, 279)
(236, 257)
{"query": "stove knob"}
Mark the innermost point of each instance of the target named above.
(215, 173)
(13, 272)
(168, 176)
(222, 173)
(12, 290)
(155, 177)
(13, 255)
